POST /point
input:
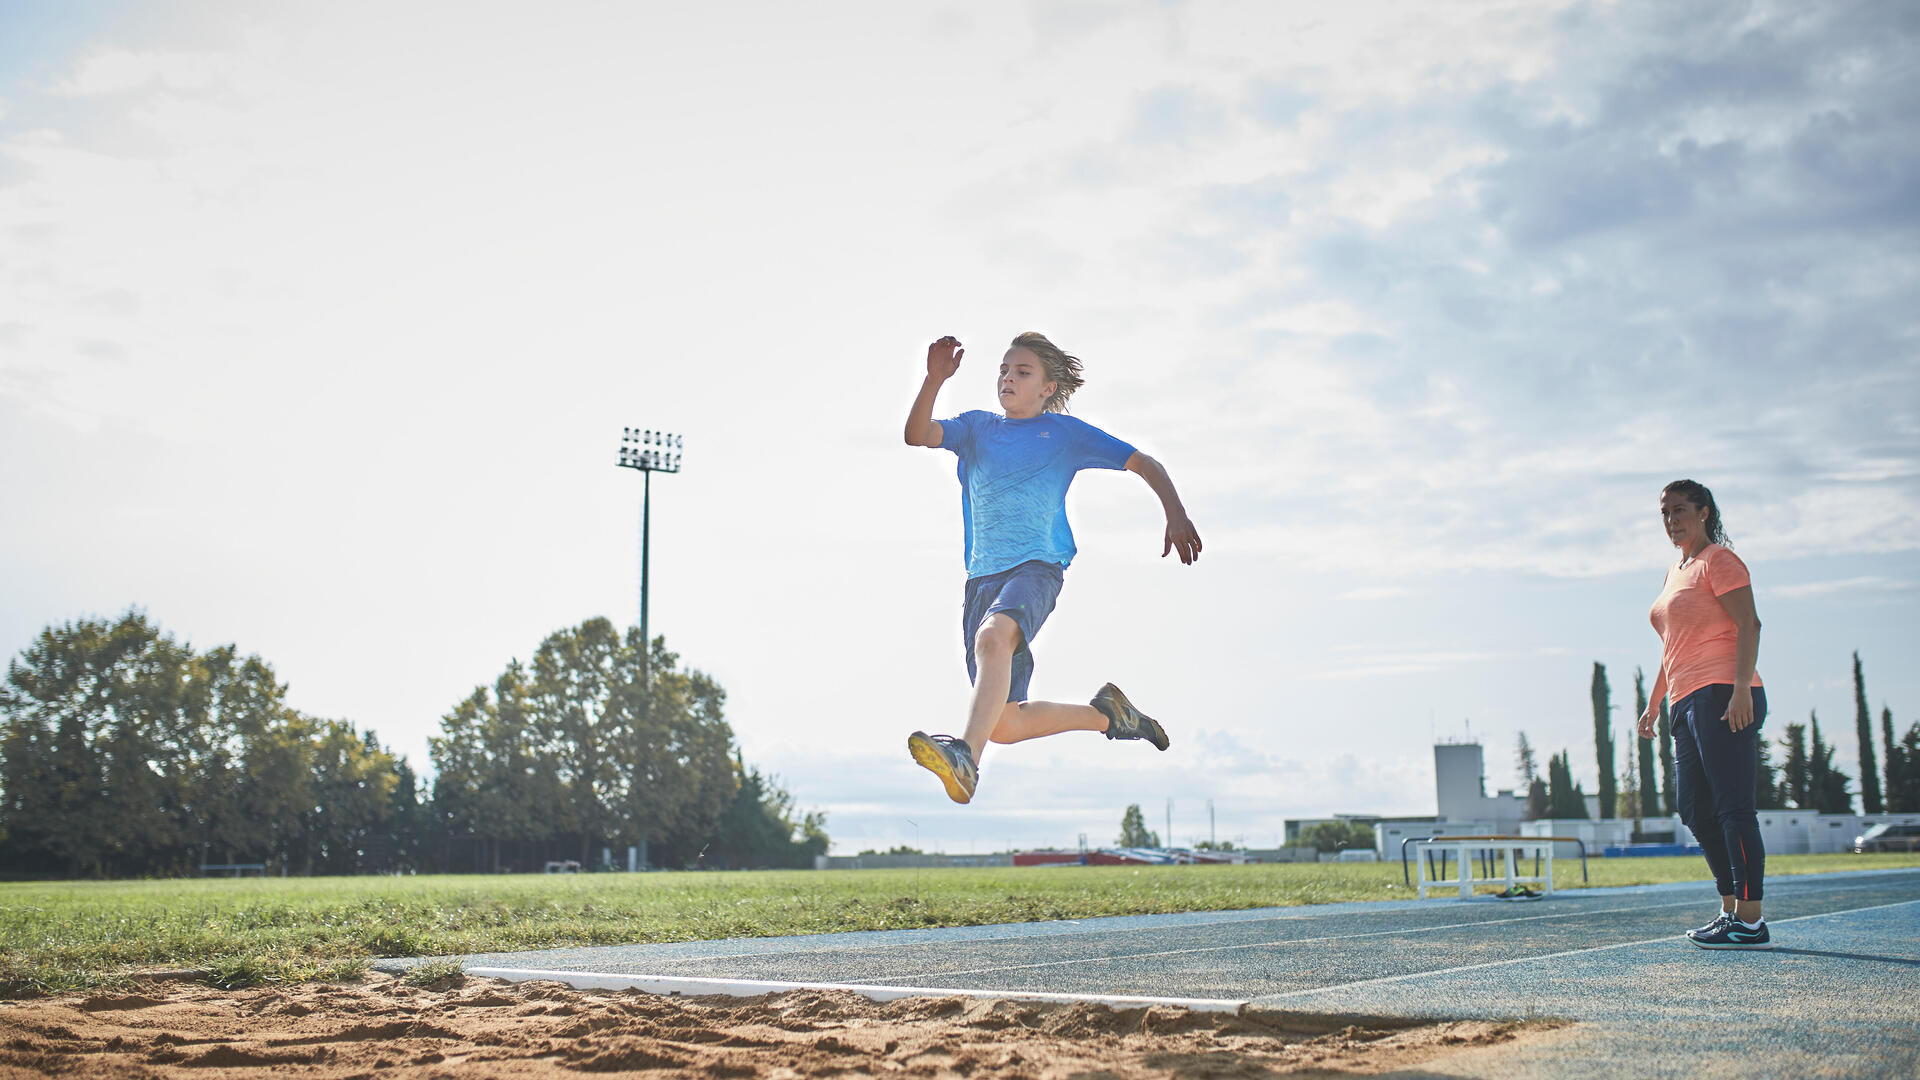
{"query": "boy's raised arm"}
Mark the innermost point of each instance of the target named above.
(1181, 535)
(943, 359)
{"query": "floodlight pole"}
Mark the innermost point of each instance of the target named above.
(646, 533)
(650, 452)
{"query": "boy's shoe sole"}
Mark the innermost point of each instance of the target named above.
(1126, 722)
(938, 760)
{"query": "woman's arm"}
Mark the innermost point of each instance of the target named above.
(1650, 720)
(1746, 657)
(1181, 535)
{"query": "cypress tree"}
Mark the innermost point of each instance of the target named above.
(1795, 780)
(1537, 804)
(1667, 780)
(1896, 765)
(1863, 727)
(1649, 785)
(1603, 736)
(1767, 794)
(1523, 762)
(1828, 785)
(1565, 799)
(1910, 769)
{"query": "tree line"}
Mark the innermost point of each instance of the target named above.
(126, 752)
(1807, 778)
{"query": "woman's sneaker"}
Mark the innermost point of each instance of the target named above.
(1718, 924)
(948, 758)
(1737, 935)
(1124, 721)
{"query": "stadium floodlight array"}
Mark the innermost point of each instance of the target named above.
(649, 450)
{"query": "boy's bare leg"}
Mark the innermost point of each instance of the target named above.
(993, 646)
(1023, 720)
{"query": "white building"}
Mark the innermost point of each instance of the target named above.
(1465, 809)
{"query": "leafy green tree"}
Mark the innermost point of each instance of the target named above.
(1133, 830)
(498, 788)
(678, 760)
(1649, 782)
(1870, 801)
(760, 827)
(580, 718)
(1329, 836)
(1602, 697)
(123, 751)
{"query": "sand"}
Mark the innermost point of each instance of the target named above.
(379, 1026)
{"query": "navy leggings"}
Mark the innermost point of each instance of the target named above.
(1715, 772)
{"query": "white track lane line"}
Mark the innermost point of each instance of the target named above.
(1308, 941)
(658, 984)
(1547, 956)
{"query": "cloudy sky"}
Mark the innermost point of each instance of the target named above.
(319, 325)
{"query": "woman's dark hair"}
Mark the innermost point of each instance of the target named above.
(1696, 493)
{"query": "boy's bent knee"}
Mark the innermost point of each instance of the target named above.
(998, 635)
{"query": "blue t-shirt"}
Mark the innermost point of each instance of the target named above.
(1013, 483)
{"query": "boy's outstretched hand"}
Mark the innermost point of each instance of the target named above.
(943, 358)
(1182, 537)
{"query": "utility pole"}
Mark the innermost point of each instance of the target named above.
(1169, 840)
(650, 452)
(1213, 837)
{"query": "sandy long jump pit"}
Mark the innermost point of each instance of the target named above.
(380, 1026)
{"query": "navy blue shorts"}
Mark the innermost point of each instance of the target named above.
(1027, 594)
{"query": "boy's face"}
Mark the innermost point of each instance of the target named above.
(1024, 386)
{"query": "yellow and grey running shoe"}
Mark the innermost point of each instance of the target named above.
(1126, 722)
(948, 758)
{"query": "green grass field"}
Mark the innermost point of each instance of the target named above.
(78, 935)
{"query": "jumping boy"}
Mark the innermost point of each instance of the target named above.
(1015, 467)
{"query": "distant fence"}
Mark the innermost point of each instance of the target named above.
(907, 862)
(930, 862)
(237, 869)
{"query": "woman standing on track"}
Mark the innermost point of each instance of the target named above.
(1710, 642)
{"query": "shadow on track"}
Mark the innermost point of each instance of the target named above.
(1850, 956)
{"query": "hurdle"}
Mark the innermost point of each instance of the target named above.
(1487, 849)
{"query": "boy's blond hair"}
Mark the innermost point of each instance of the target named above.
(1062, 370)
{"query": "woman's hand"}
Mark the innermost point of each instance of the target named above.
(1740, 708)
(1649, 721)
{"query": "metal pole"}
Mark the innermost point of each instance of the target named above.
(646, 515)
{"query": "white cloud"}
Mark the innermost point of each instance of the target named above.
(1876, 585)
(113, 71)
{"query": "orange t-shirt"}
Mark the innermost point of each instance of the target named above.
(1700, 639)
